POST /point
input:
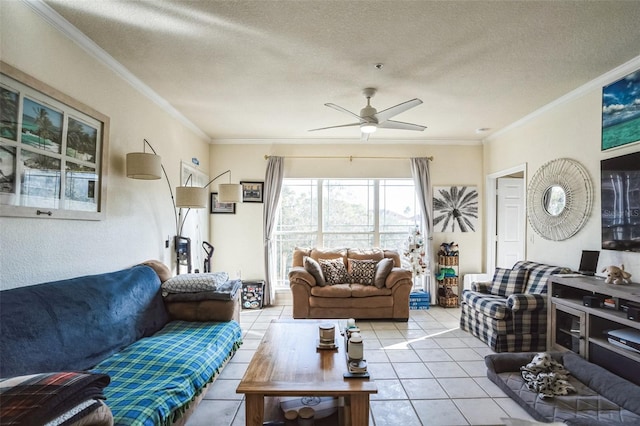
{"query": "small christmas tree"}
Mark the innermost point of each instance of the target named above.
(415, 252)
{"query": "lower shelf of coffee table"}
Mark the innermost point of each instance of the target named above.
(272, 412)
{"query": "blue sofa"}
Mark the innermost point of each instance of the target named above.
(115, 324)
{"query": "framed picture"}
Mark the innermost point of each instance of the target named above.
(252, 192)
(218, 207)
(455, 208)
(621, 112)
(53, 152)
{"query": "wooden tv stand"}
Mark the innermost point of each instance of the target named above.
(583, 329)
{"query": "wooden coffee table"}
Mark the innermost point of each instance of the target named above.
(287, 363)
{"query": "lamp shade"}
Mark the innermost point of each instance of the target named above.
(230, 193)
(143, 165)
(192, 197)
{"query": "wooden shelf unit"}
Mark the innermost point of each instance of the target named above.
(583, 329)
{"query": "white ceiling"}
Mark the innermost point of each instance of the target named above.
(247, 70)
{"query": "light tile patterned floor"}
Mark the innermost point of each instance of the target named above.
(428, 371)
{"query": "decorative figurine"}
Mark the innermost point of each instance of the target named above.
(616, 275)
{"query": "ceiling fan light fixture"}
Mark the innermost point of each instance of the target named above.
(370, 119)
(368, 127)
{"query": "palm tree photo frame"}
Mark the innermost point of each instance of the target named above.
(53, 151)
(455, 208)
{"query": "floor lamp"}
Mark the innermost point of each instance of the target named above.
(148, 166)
(195, 197)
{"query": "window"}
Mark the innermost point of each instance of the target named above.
(354, 213)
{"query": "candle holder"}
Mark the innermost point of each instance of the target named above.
(356, 364)
(326, 336)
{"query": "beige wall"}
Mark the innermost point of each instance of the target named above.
(238, 238)
(569, 130)
(139, 215)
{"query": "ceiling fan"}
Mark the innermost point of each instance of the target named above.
(370, 119)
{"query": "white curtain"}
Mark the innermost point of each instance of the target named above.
(272, 189)
(422, 183)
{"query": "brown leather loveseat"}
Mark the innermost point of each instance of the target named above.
(385, 295)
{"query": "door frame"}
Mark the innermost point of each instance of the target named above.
(491, 201)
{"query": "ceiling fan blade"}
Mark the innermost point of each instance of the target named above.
(395, 110)
(335, 127)
(364, 137)
(391, 124)
(339, 108)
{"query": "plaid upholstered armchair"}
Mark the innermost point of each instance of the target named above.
(510, 313)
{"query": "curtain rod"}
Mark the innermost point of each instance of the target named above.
(350, 157)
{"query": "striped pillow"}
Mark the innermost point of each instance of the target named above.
(508, 281)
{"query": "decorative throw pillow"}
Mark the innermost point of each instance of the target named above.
(334, 271)
(383, 268)
(508, 281)
(361, 271)
(37, 399)
(191, 283)
(313, 267)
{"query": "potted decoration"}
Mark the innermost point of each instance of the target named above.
(414, 253)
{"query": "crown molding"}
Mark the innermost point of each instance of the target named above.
(343, 141)
(89, 46)
(74, 34)
(597, 83)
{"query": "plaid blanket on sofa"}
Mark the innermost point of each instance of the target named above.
(154, 379)
(40, 398)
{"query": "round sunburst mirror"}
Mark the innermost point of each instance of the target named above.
(559, 199)
(554, 200)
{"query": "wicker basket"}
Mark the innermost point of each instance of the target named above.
(448, 260)
(449, 281)
(448, 302)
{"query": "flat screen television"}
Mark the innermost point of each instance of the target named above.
(620, 195)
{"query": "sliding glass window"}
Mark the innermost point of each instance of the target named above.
(333, 213)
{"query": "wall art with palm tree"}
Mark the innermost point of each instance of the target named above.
(53, 151)
(455, 208)
(41, 126)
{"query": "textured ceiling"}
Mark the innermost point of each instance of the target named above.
(263, 69)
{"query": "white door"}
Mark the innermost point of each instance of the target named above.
(510, 222)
